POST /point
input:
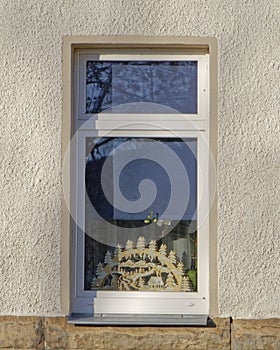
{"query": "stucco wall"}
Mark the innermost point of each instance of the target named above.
(31, 117)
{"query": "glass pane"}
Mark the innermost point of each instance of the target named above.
(169, 83)
(152, 249)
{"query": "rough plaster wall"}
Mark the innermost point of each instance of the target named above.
(248, 171)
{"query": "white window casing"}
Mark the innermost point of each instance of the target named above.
(111, 303)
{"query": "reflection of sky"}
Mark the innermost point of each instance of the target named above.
(173, 84)
(136, 171)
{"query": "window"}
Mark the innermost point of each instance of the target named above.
(140, 187)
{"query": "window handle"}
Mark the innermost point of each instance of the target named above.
(190, 304)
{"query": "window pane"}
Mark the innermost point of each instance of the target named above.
(169, 83)
(164, 258)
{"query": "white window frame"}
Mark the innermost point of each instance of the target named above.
(193, 126)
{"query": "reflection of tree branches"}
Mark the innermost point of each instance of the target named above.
(97, 70)
(157, 85)
(134, 95)
(134, 81)
(105, 145)
(99, 74)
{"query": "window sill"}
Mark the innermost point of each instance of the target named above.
(139, 320)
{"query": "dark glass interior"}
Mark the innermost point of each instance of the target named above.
(168, 83)
(140, 168)
(169, 243)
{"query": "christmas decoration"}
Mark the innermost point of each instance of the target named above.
(142, 268)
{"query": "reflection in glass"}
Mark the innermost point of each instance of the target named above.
(168, 263)
(169, 83)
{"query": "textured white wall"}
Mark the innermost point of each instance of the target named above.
(31, 114)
